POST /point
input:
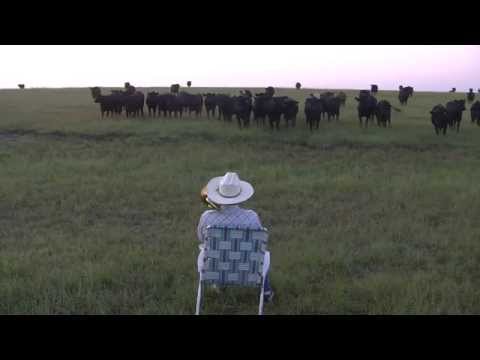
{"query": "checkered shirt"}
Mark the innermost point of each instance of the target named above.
(228, 216)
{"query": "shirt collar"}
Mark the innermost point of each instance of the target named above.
(228, 207)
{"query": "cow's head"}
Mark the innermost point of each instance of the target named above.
(95, 91)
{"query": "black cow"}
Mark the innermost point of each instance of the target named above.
(475, 112)
(439, 118)
(210, 104)
(470, 96)
(191, 103)
(117, 99)
(455, 109)
(176, 105)
(453, 90)
(130, 89)
(366, 106)
(259, 108)
(324, 98)
(106, 105)
(269, 91)
(313, 111)
(383, 112)
(332, 107)
(95, 91)
(106, 102)
(196, 105)
(404, 94)
(242, 108)
(225, 107)
(275, 107)
(165, 104)
(134, 103)
(290, 111)
(374, 88)
(152, 103)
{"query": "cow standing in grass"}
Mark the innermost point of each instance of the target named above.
(175, 105)
(191, 103)
(134, 103)
(383, 112)
(404, 94)
(366, 107)
(152, 103)
(290, 111)
(313, 111)
(117, 99)
(274, 107)
(475, 112)
(210, 104)
(106, 102)
(455, 110)
(225, 107)
(242, 109)
(332, 107)
(439, 119)
(195, 105)
(259, 108)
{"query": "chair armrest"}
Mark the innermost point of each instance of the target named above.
(266, 263)
(200, 260)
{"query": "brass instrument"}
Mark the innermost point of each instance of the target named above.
(206, 200)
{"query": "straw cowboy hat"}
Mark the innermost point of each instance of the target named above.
(229, 189)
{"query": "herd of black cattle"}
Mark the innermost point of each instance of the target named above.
(267, 106)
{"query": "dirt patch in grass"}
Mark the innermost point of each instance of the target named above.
(13, 135)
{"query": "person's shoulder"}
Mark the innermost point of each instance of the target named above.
(208, 212)
(247, 210)
(251, 212)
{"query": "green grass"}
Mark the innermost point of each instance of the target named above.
(99, 217)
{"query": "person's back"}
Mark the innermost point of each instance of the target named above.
(227, 216)
(227, 192)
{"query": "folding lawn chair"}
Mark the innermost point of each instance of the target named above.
(234, 257)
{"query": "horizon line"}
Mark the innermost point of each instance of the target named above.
(226, 87)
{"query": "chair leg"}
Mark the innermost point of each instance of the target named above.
(260, 306)
(199, 298)
(266, 267)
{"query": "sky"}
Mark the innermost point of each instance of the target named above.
(425, 67)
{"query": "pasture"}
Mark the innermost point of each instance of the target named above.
(99, 216)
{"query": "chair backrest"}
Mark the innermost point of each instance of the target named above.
(234, 256)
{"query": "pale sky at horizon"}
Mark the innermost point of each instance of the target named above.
(425, 67)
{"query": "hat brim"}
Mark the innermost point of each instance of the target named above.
(246, 193)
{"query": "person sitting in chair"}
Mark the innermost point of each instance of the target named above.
(227, 192)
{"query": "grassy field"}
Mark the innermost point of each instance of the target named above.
(99, 217)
